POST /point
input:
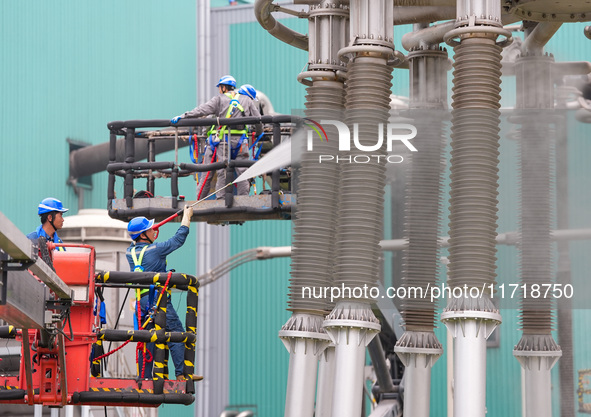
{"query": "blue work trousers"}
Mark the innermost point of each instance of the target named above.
(173, 324)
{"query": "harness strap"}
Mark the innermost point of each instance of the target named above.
(236, 149)
(223, 130)
(137, 262)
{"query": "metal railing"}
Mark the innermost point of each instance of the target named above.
(158, 334)
(126, 166)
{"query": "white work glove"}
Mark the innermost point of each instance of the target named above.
(187, 214)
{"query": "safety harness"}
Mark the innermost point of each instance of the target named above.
(137, 262)
(217, 133)
(137, 267)
(214, 134)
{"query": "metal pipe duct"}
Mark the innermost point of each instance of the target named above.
(508, 238)
(427, 36)
(93, 159)
(422, 14)
(380, 366)
(352, 324)
(263, 10)
(473, 196)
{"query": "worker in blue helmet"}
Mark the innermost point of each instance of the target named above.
(50, 211)
(248, 90)
(145, 255)
(227, 104)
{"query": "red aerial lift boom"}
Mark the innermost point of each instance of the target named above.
(60, 331)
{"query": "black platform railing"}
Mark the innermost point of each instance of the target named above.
(158, 334)
(130, 169)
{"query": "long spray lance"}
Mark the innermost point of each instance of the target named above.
(277, 157)
(178, 213)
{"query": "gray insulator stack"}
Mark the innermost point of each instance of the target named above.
(422, 223)
(314, 225)
(535, 101)
(535, 249)
(424, 187)
(315, 221)
(360, 215)
(475, 142)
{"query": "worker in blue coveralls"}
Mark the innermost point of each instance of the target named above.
(50, 211)
(227, 104)
(144, 255)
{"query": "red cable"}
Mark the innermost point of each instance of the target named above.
(208, 172)
(111, 352)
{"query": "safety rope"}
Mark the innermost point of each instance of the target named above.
(111, 352)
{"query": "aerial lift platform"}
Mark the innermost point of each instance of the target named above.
(140, 140)
(50, 303)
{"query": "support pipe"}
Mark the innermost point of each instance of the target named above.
(422, 14)
(539, 36)
(427, 36)
(303, 338)
(508, 238)
(263, 10)
(470, 329)
(351, 330)
(380, 367)
(326, 376)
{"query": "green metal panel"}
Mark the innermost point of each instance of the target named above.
(67, 68)
(258, 294)
(270, 65)
(259, 290)
(70, 67)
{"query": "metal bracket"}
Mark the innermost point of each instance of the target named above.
(10, 265)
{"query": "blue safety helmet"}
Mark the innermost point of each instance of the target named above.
(139, 225)
(50, 204)
(248, 90)
(227, 80)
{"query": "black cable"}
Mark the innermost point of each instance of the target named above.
(117, 323)
(106, 411)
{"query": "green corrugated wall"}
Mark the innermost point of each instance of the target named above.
(67, 68)
(258, 367)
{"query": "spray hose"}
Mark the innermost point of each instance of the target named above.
(178, 213)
